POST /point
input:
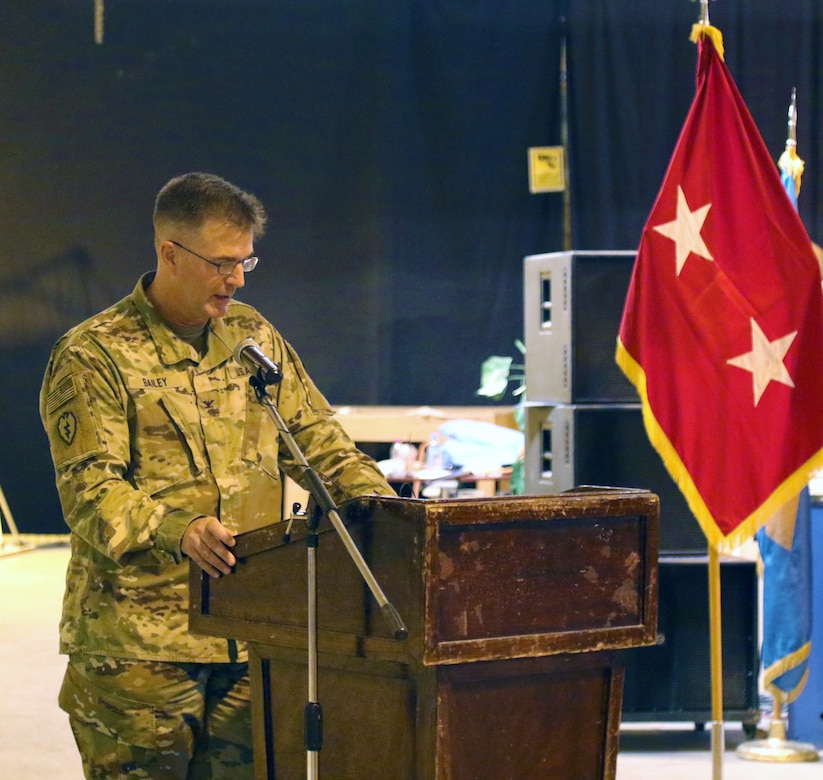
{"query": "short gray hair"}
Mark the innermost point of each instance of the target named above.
(191, 199)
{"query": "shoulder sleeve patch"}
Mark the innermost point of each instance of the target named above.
(71, 425)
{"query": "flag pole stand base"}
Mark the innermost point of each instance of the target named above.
(776, 748)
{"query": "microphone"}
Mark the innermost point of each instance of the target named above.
(249, 354)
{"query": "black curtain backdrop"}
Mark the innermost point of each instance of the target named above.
(389, 142)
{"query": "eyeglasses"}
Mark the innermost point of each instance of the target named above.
(225, 267)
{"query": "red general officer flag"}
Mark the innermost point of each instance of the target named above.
(722, 330)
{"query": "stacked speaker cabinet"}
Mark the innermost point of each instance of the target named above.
(573, 306)
(584, 426)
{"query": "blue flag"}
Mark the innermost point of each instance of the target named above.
(785, 543)
(785, 547)
(790, 185)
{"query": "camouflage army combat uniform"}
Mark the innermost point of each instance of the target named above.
(147, 435)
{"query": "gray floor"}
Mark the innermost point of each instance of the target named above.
(35, 741)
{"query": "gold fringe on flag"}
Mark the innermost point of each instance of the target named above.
(700, 30)
(789, 662)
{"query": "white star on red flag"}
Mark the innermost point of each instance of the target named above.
(685, 229)
(765, 360)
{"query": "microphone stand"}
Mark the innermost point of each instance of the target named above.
(313, 714)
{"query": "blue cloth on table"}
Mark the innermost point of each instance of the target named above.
(480, 447)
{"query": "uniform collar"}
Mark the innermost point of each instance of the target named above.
(172, 349)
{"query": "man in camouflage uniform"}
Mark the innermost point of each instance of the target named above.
(162, 453)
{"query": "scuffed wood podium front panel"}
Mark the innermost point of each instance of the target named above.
(496, 580)
(553, 718)
(526, 577)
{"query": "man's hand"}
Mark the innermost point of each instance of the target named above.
(207, 541)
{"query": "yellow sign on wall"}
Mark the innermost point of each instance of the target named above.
(546, 169)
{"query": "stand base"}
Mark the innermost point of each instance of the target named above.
(776, 748)
(777, 751)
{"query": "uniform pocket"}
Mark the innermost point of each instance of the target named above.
(167, 451)
(123, 719)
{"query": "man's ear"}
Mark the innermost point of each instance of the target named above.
(167, 254)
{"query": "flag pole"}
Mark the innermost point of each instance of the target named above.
(716, 655)
(718, 740)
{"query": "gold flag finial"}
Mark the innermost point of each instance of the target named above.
(789, 163)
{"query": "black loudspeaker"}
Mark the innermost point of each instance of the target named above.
(573, 306)
(672, 681)
(605, 444)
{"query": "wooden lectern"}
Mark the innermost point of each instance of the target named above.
(516, 608)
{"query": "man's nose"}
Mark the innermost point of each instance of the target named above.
(237, 277)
